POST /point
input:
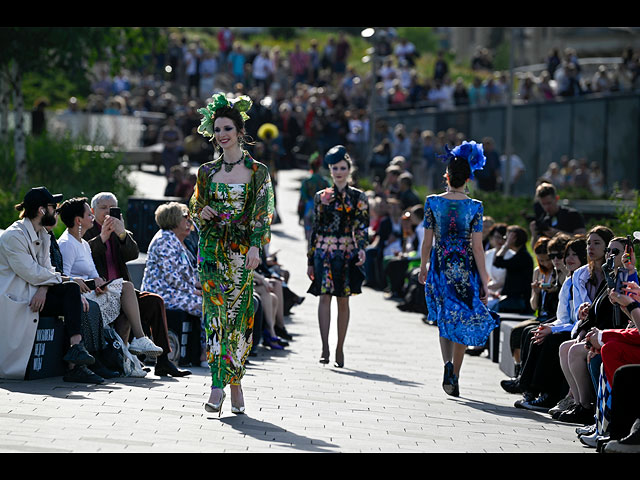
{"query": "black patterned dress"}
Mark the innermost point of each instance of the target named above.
(340, 224)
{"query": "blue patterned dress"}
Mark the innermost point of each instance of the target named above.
(452, 286)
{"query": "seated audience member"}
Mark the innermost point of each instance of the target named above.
(516, 291)
(496, 237)
(541, 379)
(617, 348)
(112, 246)
(588, 288)
(610, 344)
(91, 319)
(387, 239)
(77, 262)
(269, 301)
(406, 193)
(171, 270)
(551, 217)
(30, 287)
(543, 300)
(397, 267)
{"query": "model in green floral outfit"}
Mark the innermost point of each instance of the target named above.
(232, 206)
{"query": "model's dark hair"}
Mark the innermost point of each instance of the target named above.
(458, 172)
(72, 208)
(231, 113)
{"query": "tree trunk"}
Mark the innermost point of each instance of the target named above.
(4, 109)
(19, 142)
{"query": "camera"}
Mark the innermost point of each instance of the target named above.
(543, 222)
(616, 277)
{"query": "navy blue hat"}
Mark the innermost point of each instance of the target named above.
(336, 154)
(41, 197)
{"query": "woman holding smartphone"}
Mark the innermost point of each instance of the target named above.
(112, 296)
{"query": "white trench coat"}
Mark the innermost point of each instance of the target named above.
(25, 264)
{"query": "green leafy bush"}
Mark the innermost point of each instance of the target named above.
(63, 167)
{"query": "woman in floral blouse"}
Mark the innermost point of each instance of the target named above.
(232, 208)
(171, 269)
(337, 248)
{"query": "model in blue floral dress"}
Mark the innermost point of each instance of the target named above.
(453, 285)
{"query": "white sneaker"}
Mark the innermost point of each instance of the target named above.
(144, 346)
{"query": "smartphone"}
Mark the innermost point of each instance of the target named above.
(114, 212)
(104, 285)
(546, 285)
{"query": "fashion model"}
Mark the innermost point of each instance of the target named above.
(337, 248)
(232, 207)
(453, 266)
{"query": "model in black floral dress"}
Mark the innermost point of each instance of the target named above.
(337, 247)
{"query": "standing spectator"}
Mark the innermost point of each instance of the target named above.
(477, 93)
(299, 64)
(314, 61)
(236, 61)
(225, 45)
(192, 61)
(553, 62)
(441, 67)
(171, 138)
(406, 51)
(289, 129)
(208, 70)
(460, 93)
(343, 50)
(262, 70)
(487, 178)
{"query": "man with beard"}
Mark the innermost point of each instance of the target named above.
(30, 287)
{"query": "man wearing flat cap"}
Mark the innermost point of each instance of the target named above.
(30, 287)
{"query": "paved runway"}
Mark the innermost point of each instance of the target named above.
(387, 399)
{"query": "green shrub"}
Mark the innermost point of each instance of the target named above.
(61, 166)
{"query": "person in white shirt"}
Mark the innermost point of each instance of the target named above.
(112, 297)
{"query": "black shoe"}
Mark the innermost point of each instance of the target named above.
(511, 386)
(527, 397)
(78, 355)
(634, 437)
(99, 369)
(578, 414)
(282, 333)
(81, 374)
(541, 404)
(164, 367)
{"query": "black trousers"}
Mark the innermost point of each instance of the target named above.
(64, 299)
(541, 372)
(625, 404)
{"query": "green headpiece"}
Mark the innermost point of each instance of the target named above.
(243, 103)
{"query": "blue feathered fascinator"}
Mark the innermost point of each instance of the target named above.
(472, 151)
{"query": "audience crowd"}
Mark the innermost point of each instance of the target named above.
(315, 100)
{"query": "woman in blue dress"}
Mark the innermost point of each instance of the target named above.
(456, 278)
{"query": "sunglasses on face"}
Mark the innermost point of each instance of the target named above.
(613, 251)
(553, 256)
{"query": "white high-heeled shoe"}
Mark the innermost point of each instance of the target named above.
(238, 410)
(216, 407)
